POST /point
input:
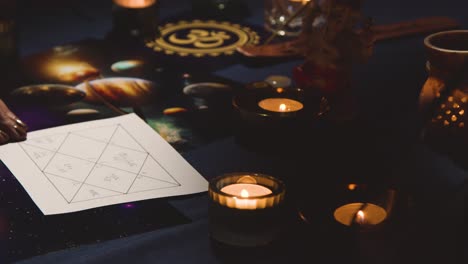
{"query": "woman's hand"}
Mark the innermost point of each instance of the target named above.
(11, 127)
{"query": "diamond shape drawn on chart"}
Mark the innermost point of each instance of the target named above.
(88, 192)
(69, 167)
(123, 139)
(65, 186)
(39, 156)
(144, 184)
(111, 178)
(82, 147)
(123, 158)
(51, 142)
(103, 134)
(152, 169)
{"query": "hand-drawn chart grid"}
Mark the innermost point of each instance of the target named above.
(95, 163)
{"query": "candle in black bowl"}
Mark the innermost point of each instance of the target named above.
(350, 207)
(275, 117)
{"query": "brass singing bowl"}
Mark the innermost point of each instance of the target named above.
(47, 94)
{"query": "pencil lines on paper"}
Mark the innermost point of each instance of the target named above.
(97, 163)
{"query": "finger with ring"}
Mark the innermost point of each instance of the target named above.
(4, 137)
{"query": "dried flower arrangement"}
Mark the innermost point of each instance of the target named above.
(335, 37)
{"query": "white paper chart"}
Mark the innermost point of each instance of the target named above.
(97, 163)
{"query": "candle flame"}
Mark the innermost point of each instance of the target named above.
(282, 107)
(360, 217)
(244, 193)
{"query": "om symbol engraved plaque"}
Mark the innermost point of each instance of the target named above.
(200, 38)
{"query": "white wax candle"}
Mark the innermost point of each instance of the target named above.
(281, 105)
(245, 194)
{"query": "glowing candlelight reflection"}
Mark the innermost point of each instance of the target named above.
(72, 71)
(451, 112)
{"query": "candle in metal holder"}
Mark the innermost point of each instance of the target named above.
(135, 18)
(246, 209)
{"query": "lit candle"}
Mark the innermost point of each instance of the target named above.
(361, 214)
(245, 195)
(360, 217)
(281, 105)
(134, 3)
(246, 209)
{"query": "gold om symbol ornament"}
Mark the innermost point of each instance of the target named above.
(200, 38)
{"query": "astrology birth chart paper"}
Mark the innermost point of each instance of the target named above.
(98, 163)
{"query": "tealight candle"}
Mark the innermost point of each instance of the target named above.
(245, 209)
(364, 214)
(245, 194)
(134, 3)
(282, 105)
(275, 119)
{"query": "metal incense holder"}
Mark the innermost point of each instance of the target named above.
(246, 221)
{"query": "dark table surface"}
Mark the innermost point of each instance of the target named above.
(383, 146)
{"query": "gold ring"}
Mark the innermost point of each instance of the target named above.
(19, 122)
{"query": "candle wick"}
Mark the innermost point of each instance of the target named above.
(357, 218)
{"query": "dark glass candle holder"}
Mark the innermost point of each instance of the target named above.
(246, 209)
(364, 207)
(269, 118)
(135, 19)
(350, 208)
